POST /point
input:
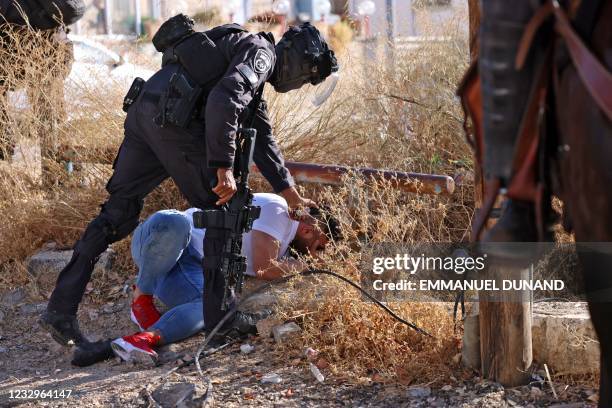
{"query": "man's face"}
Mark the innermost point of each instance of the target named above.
(310, 238)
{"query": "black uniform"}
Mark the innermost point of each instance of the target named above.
(150, 153)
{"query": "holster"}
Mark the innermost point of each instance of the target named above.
(178, 105)
(133, 93)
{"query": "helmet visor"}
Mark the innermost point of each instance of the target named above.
(325, 89)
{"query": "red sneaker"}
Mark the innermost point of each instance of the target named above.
(143, 312)
(137, 347)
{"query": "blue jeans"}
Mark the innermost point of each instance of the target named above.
(169, 269)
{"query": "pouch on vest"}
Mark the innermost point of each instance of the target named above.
(133, 93)
(178, 104)
(173, 31)
(201, 58)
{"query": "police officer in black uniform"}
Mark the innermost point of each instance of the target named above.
(183, 125)
(45, 15)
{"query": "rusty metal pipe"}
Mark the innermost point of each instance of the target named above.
(307, 172)
(332, 175)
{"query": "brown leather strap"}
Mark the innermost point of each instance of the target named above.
(469, 91)
(593, 73)
(530, 31)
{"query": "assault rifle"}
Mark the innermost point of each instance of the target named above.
(237, 219)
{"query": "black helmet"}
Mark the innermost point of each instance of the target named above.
(302, 56)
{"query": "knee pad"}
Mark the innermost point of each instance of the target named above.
(119, 217)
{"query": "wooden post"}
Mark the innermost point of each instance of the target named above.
(505, 317)
(390, 44)
(474, 17)
(505, 330)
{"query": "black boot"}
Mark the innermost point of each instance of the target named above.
(63, 328)
(242, 324)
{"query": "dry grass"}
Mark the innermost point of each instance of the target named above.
(358, 339)
(405, 119)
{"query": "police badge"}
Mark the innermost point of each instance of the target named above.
(263, 61)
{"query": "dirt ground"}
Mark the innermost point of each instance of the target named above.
(30, 360)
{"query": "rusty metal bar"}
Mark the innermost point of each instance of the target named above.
(308, 173)
(332, 175)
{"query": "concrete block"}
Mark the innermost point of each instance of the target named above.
(564, 338)
(284, 332)
(174, 394)
(46, 265)
(13, 298)
(562, 334)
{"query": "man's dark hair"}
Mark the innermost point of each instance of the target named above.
(329, 224)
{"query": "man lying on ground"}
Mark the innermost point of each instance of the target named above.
(168, 252)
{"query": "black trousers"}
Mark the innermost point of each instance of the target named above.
(148, 155)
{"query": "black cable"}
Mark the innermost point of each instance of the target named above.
(285, 279)
(372, 298)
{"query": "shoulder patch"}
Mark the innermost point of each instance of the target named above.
(263, 61)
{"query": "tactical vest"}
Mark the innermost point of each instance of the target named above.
(199, 55)
(202, 63)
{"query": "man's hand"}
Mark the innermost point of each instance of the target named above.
(295, 200)
(226, 185)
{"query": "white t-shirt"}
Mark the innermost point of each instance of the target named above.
(274, 221)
